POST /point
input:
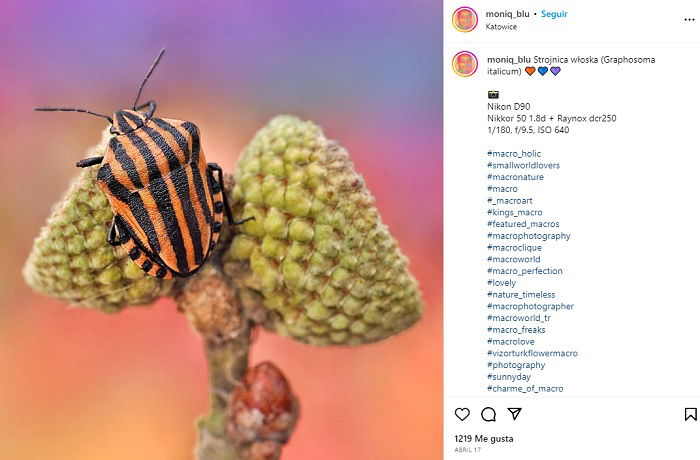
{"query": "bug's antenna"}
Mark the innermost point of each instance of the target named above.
(69, 109)
(150, 71)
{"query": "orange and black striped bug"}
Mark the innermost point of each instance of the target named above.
(168, 203)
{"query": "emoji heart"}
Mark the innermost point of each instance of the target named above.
(462, 413)
(542, 70)
(555, 70)
(530, 70)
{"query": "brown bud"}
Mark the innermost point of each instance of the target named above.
(209, 304)
(263, 407)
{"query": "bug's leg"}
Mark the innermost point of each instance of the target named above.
(124, 235)
(89, 162)
(229, 215)
(213, 167)
(217, 197)
(118, 233)
(112, 235)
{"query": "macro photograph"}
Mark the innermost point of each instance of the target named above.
(222, 230)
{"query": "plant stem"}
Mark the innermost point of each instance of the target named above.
(215, 312)
(228, 361)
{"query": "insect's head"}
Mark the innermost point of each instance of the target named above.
(126, 121)
(123, 121)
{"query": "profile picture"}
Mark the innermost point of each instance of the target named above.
(465, 63)
(465, 19)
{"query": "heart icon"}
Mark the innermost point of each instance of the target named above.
(530, 70)
(555, 70)
(462, 413)
(542, 70)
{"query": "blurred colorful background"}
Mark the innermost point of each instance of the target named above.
(77, 384)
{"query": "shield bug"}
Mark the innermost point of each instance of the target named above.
(168, 202)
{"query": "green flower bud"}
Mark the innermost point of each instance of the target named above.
(317, 253)
(71, 259)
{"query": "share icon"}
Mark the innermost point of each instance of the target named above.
(515, 411)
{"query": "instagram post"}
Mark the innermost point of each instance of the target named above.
(349, 230)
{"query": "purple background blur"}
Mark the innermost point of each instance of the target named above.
(76, 384)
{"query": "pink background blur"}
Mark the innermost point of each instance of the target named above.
(76, 384)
